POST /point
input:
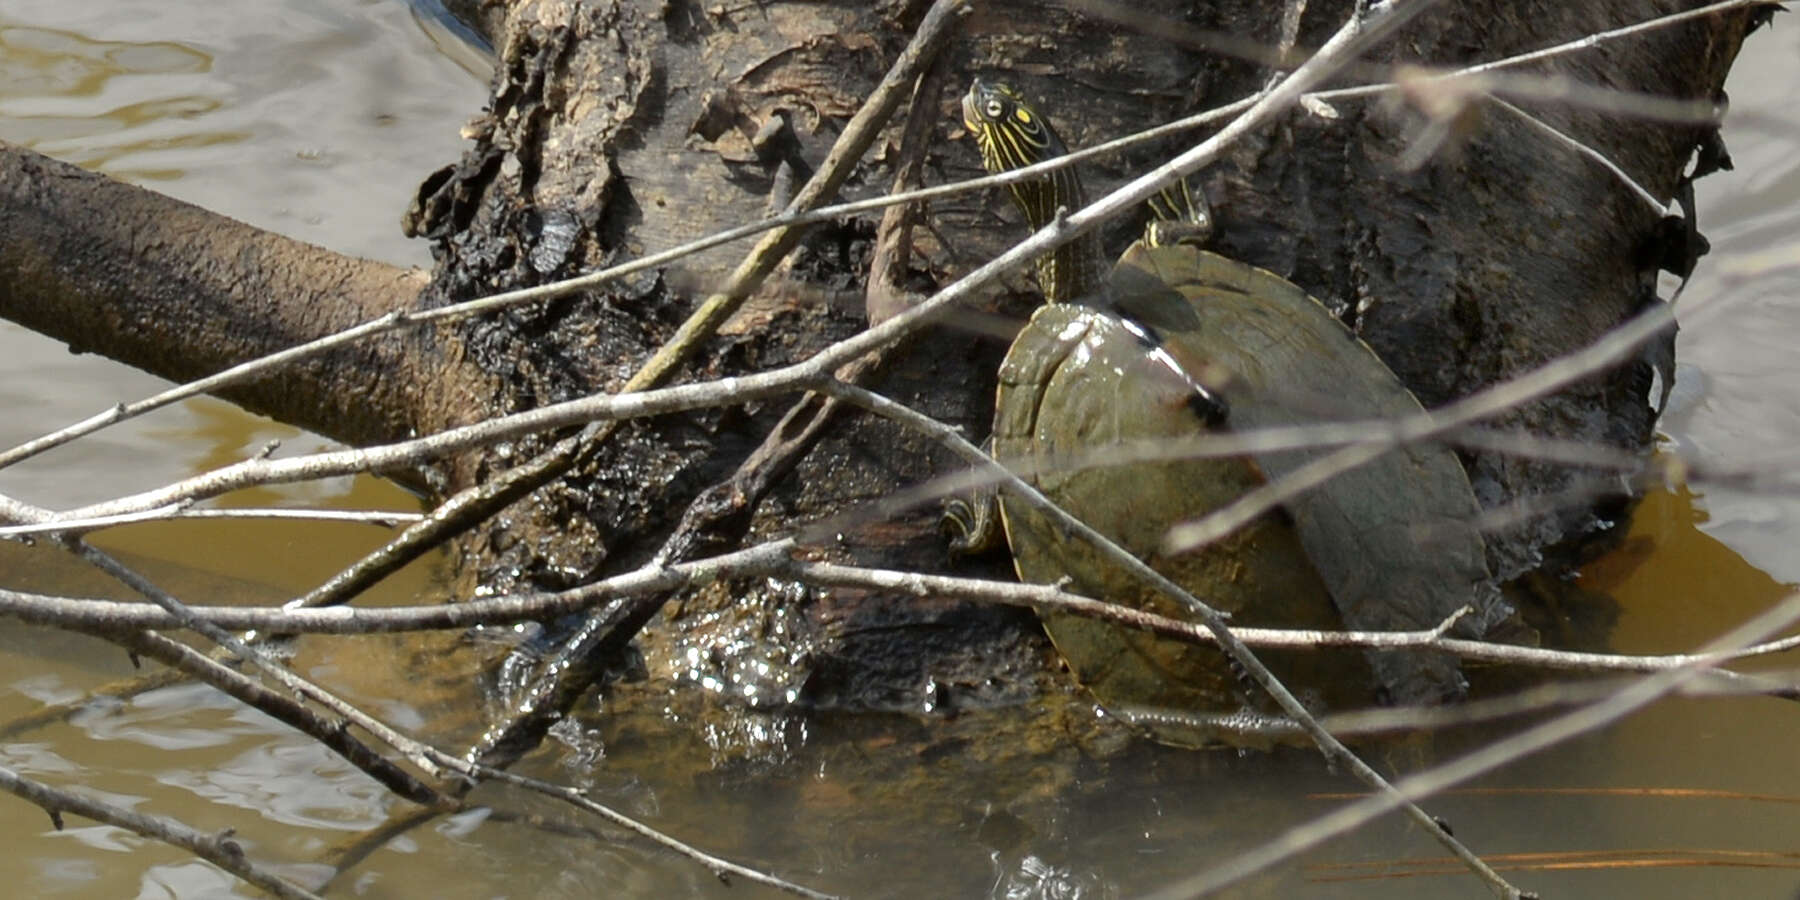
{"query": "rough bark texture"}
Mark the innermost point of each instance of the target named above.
(1502, 253)
(619, 127)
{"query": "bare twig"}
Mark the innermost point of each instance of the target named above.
(804, 375)
(176, 512)
(403, 319)
(56, 713)
(1631, 184)
(1286, 51)
(349, 855)
(419, 754)
(1211, 445)
(776, 560)
(810, 373)
(1558, 373)
(218, 849)
(1590, 41)
(329, 732)
(432, 760)
(1616, 706)
(1610, 348)
(572, 669)
(1409, 720)
(723, 869)
(479, 501)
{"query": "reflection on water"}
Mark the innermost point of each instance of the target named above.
(72, 91)
(311, 118)
(316, 118)
(1678, 585)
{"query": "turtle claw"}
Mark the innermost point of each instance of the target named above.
(972, 523)
(1166, 233)
(1210, 407)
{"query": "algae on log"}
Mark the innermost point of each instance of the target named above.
(621, 127)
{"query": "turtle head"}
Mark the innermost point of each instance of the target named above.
(1011, 132)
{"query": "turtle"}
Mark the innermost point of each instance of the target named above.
(1174, 341)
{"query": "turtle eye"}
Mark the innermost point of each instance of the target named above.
(995, 109)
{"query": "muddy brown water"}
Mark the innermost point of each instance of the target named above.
(316, 118)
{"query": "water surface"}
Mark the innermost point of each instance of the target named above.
(317, 118)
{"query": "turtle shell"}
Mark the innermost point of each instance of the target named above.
(1389, 545)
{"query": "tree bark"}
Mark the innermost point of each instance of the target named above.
(620, 127)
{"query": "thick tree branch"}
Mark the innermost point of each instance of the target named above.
(181, 292)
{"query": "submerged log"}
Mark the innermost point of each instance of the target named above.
(621, 127)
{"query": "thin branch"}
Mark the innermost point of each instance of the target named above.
(1257, 52)
(423, 755)
(1610, 348)
(1668, 465)
(1531, 701)
(212, 383)
(858, 134)
(57, 713)
(344, 857)
(1049, 597)
(1581, 493)
(723, 869)
(402, 319)
(419, 754)
(1581, 149)
(1588, 42)
(1424, 784)
(178, 512)
(218, 849)
(477, 502)
(812, 372)
(1558, 861)
(800, 376)
(329, 733)
(458, 513)
(776, 559)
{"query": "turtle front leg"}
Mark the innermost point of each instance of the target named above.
(1179, 215)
